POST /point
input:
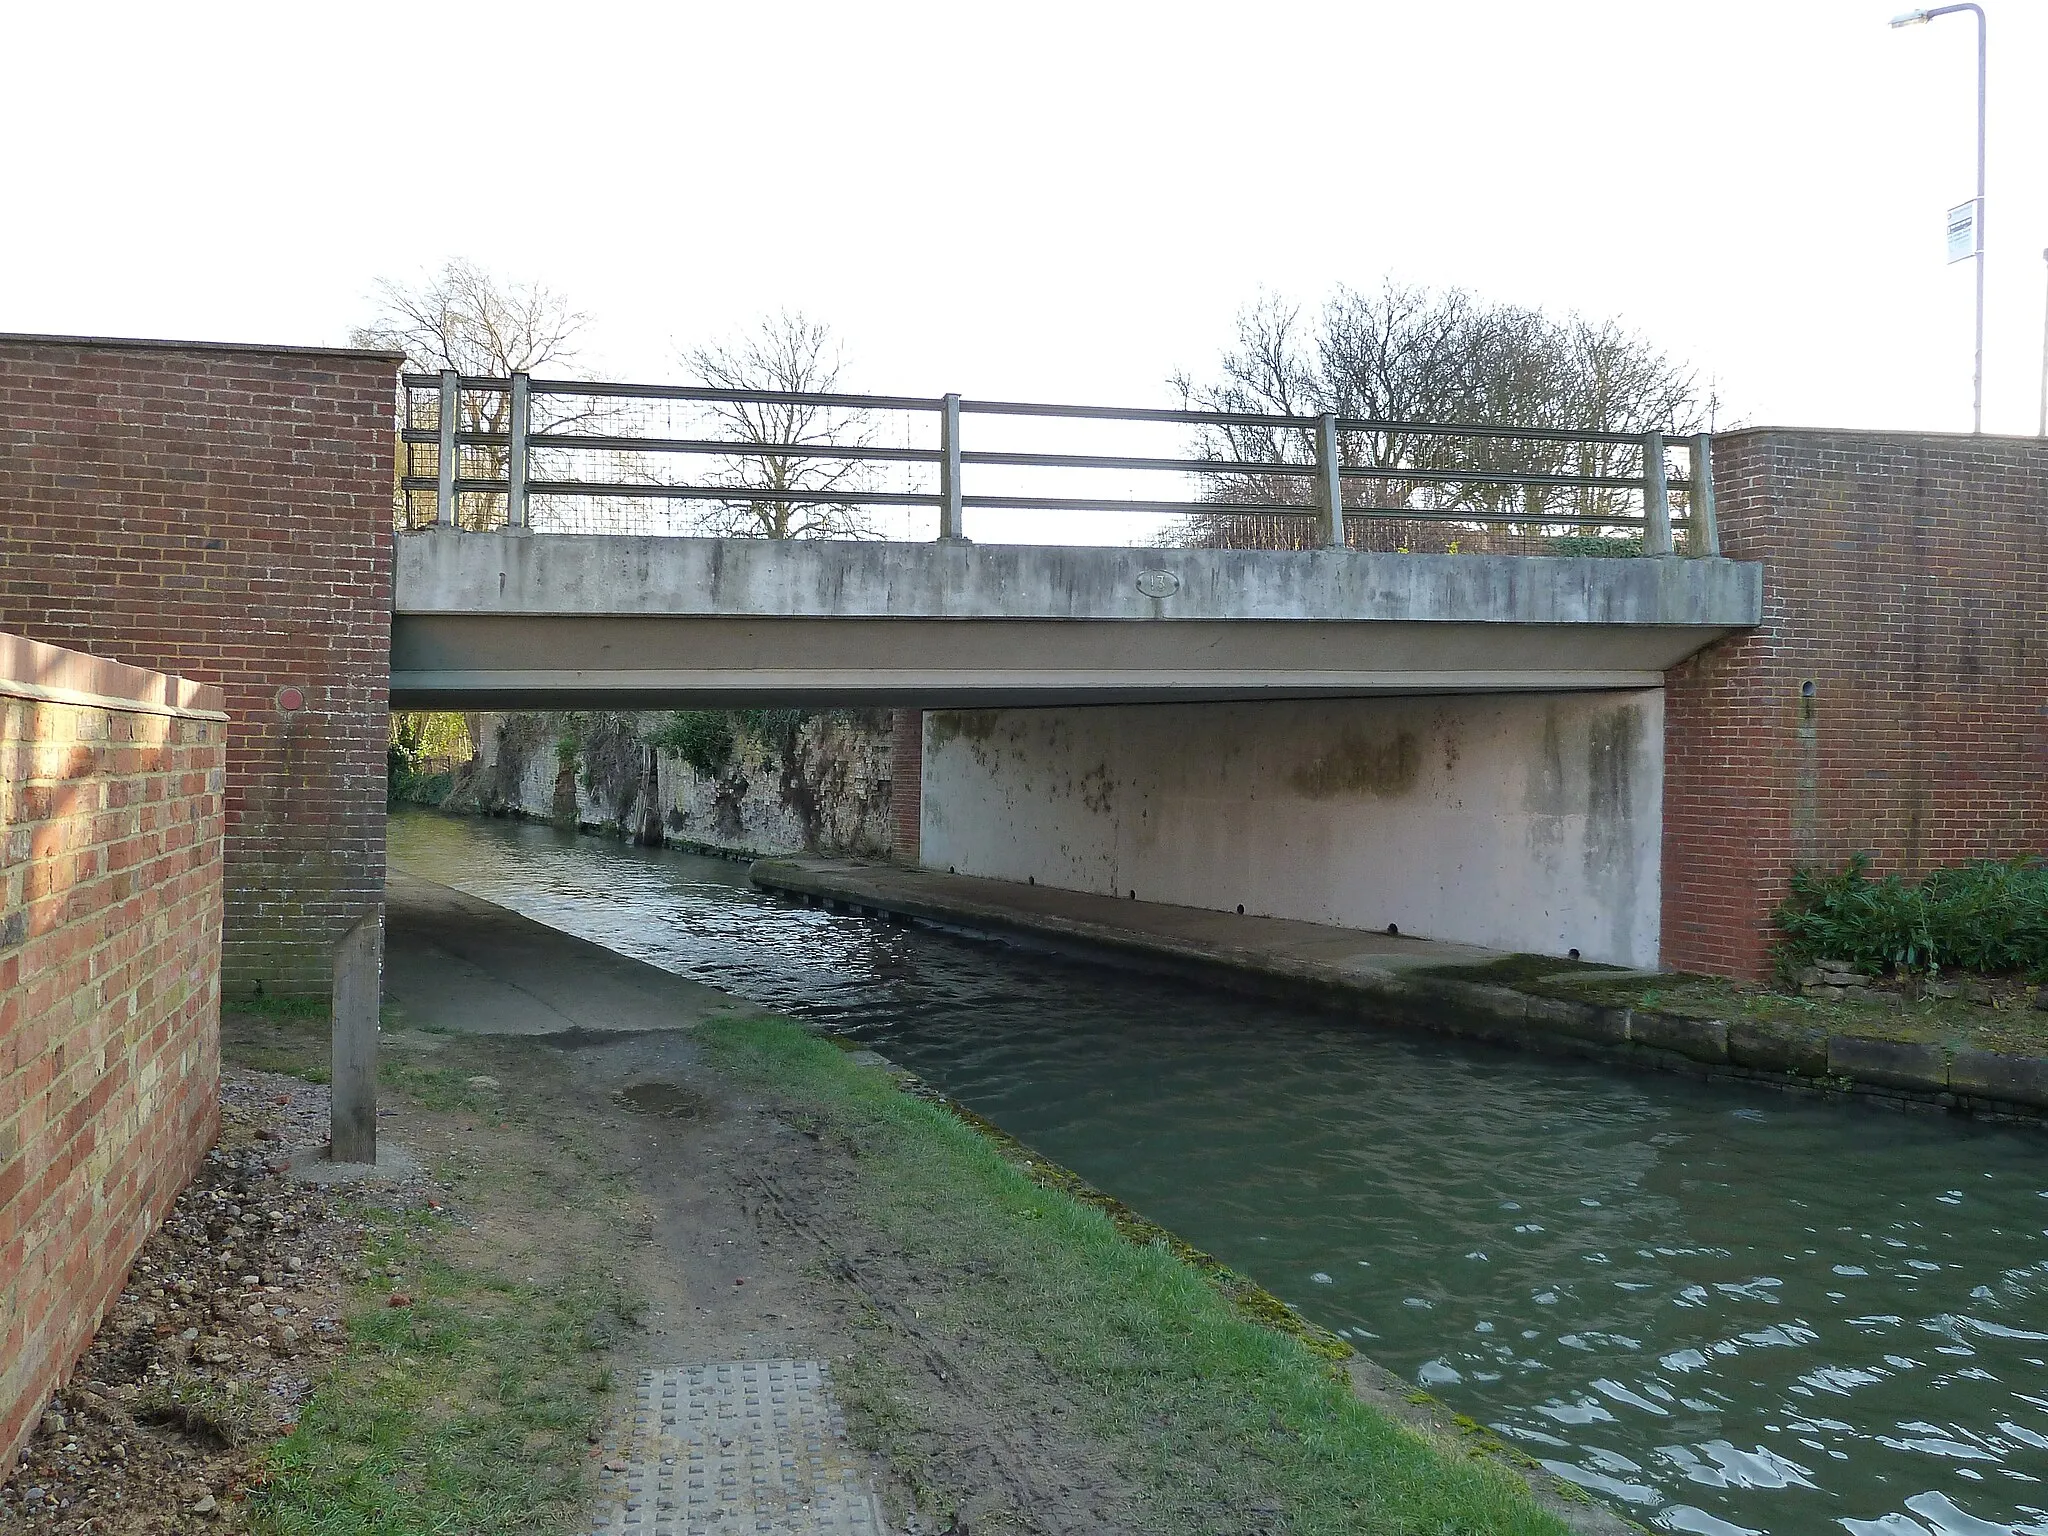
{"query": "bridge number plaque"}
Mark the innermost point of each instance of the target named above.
(1158, 583)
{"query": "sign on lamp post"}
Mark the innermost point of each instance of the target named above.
(1963, 223)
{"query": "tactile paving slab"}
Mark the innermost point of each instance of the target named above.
(745, 1448)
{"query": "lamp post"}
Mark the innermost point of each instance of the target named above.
(2044, 365)
(1918, 18)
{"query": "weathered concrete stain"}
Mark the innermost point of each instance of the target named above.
(1362, 765)
(1614, 743)
(1517, 822)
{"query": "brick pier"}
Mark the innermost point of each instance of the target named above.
(225, 512)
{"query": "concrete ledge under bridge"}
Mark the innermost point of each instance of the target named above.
(503, 620)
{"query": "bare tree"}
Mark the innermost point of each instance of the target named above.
(788, 353)
(465, 319)
(1408, 354)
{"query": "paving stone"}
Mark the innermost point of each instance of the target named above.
(738, 1448)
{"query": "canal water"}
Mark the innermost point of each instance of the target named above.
(1720, 1310)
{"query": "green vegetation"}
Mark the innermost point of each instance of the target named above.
(1986, 917)
(226, 1412)
(418, 763)
(1595, 545)
(709, 739)
(1208, 1410)
(468, 1410)
(703, 738)
(1953, 1022)
(1519, 970)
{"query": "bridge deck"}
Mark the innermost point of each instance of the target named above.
(524, 620)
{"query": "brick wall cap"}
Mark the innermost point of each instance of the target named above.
(146, 344)
(29, 669)
(1888, 434)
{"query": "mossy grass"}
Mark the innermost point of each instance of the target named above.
(1520, 970)
(1951, 1022)
(298, 1043)
(1227, 1423)
(467, 1410)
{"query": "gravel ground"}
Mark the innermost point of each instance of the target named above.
(231, 1310)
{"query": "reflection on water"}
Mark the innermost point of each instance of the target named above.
(1722, 1311)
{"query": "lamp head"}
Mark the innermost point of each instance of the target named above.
(1910, 19)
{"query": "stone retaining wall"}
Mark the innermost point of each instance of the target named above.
(823, 783)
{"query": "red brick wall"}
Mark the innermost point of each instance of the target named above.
(110, 867)
(225, 512)
(906, 783)
(1904, 578)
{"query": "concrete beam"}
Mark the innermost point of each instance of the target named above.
(535, 621)
(445, 572)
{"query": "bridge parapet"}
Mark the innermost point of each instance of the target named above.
(563, 455)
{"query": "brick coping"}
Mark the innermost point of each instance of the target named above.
(149, 344)
(50, 674)
(1905, 436)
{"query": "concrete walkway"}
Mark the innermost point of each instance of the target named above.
(1576, 1009)
(1272, 945)
(461, 963)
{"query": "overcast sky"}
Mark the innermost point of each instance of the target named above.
(1049, 201)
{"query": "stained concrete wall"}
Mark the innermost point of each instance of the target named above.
(1525, 822)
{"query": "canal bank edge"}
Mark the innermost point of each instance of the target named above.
(1462, 995)
(1372, 1383)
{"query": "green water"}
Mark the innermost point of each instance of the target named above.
(1720, 1310)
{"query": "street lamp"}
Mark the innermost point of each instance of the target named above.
(2044, 365)
(1919, 18)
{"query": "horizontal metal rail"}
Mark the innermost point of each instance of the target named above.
(510, 442)
(673, 492)
(736, 448)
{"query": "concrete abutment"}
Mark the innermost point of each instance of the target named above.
(1517, 822)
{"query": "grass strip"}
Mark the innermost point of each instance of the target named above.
(467, 1410)
(1230, 1425)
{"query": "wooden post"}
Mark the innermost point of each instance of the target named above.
(358, 991)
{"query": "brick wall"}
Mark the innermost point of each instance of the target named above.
(906, 783)
(1895, 698)
(225, 512)
(110, 867)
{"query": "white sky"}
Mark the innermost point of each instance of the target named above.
(1045, 200)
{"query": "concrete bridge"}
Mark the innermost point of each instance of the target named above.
(1633, 749)
(499, 620)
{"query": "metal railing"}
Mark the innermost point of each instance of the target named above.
(489, 450)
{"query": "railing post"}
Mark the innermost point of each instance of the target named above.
(515, 462)
(451, 407)
(1656, 497)
(1707, 538)
(1330, 488)
(949, 469)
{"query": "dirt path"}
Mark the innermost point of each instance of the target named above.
(755, 1252)
(736, 1226)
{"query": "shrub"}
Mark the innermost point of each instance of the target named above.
(1986, 916)
(703, 738)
